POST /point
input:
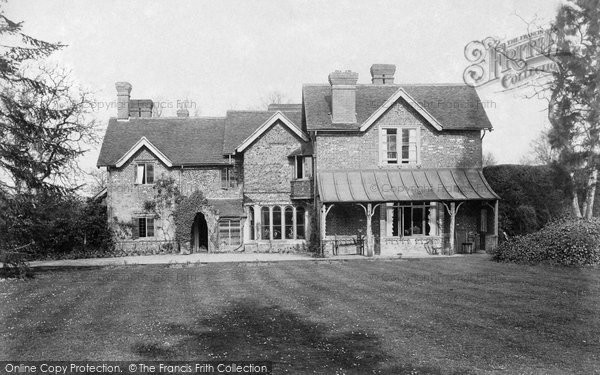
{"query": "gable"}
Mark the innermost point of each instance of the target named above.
(141, 144)
(454, 106)
(276, 119)
(394, 102)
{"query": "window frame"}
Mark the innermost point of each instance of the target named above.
(230, 228)
(398, 133)
(145, 176)
(229, 178)
(397, 212)
(146, 220)
(303, 167)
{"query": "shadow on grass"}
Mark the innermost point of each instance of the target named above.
(249, 331)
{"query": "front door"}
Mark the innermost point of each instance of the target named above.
(199, 234)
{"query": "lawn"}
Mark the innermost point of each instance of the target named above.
(441, 316)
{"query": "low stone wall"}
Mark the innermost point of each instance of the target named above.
(137, 247)
(284, 247)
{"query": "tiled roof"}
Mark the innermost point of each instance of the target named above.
(184, 141)
(239, 125)
(453, 106)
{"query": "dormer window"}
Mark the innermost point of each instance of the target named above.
(399, 146)
(144, 173)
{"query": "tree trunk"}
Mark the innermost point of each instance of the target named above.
(574, 199)
(590, 194)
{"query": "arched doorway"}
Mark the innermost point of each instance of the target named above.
(199, 234)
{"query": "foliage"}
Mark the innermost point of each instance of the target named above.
(185, 213)
(562, 242)
(531, 195)
(55, 225)
(574, 105)
(42, 116)
(14, 264)
(24, 49)
(166, 197)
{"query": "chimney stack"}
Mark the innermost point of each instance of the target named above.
(343, 96)
(382, 74)
(123, 92)
(183, 112)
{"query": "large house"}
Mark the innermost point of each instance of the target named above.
(373, 169)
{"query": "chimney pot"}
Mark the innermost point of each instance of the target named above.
(343, 96)
(383, 74)
(123, 92)
(183, 112)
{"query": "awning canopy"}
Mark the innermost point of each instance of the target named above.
(404, 185)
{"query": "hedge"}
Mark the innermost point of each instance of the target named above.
(531, 195)
(561, 242)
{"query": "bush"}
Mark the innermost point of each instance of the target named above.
(55, 226)
(570, 242)
(14, 265)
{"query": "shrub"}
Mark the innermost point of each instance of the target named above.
(570, 242)
(56, 226)
(14, 265)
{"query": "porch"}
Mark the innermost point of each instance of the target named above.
(407, 212)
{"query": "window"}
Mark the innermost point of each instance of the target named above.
(144, 227)
(277, 223)
(144, 173)
(265, 222)
(303, 167)
(300, 230)
(409, 146)
(392, 149)
(409, 219)
(289, 223)
(251, 222)
(229, 232)
(228, 178)
(399, 145)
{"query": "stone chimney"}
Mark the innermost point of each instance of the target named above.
(382, 74)
(183, 112)
(123, 91)
(343, 96)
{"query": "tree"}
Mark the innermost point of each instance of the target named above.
(574, 105)
(43, 129)
(541, 152)
(573, 94)
(43, 132)
(489, 159)
(42, 116)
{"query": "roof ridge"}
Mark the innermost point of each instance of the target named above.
(462, 84)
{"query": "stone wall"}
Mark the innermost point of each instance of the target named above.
(125, 201)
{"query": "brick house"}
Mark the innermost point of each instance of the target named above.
(377, 168)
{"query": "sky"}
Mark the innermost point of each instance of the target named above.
(230, 54)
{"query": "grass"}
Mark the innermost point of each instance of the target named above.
(441, 316)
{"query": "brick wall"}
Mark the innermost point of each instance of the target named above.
(445, 149)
